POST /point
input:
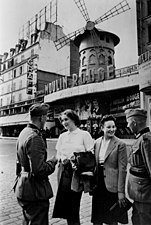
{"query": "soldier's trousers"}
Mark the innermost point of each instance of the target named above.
(141, 214)
(35, 213)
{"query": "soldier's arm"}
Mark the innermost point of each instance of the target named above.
(37, 157)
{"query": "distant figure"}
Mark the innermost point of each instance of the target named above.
(139, 180)
(47, 133)
(33, 189)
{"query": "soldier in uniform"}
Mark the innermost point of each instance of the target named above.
(139, 180)
(33, 189)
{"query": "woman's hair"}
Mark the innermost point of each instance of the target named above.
(72, 115)
(107, 118)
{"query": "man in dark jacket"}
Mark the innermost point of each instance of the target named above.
(33, 189)
(139, 180)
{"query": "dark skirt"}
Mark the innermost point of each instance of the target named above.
(102, 201)
(67, 203)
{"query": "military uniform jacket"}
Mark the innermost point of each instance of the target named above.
(139, 181)
(33, 183)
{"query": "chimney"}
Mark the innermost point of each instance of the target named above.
(17, 48)
(12, 51)
(4, 56)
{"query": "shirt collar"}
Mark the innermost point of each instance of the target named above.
(73, 132)
(143, 131)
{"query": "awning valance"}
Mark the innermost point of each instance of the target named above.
(14, 119)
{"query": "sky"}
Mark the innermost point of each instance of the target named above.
(15, 13)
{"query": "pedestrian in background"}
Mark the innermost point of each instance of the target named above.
(139, 179)
(33, 189)
(67, 203)
(111, 165)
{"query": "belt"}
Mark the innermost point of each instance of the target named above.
(23, 169)
(101, 164)
(139, 174)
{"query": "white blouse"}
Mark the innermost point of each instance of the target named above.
(74, 141)
(103, 148)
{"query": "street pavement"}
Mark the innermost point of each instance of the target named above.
(10, 211)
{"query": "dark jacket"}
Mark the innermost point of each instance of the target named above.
(33, 181)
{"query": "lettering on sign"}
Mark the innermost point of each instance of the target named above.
(74, 80)
(144, 57)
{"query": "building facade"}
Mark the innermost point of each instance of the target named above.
(25, 71)
(144, 51)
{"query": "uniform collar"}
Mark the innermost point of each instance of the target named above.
(31, 125)
(143, 131)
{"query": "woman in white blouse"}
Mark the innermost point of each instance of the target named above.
(67, 203)
(111, 161)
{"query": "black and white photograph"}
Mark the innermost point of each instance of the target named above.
(75, 112)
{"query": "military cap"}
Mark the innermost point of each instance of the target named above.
(135, 112)
(39, 109)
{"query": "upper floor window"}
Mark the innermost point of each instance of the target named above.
(107, 39)
(9, 76)
(20, 84)
(14, 73)
(149, 33)
(13, 98)
(1, 102)
(83, 61)
(109, 60)
(20, 70)
(32, 52)
(20, 97)
(14, 86)
(92, 59)
(102, 59)
(16, 61)
(8, 100)
(4, 66)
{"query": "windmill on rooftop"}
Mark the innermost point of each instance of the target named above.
(96, 47)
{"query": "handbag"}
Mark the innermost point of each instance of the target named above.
(118, 212)
(84, 162)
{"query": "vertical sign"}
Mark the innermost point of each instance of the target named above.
(30, 69)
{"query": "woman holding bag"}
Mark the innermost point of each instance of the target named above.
(67, 203)
(111, 161)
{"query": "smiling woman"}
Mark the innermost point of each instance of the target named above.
(111, 161)
(70, 188)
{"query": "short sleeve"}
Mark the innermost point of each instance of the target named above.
(88, 141)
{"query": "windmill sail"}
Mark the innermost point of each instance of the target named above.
(66, 39)
(82, 7)
(116, 10)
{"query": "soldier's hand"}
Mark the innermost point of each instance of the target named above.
(121, 199)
